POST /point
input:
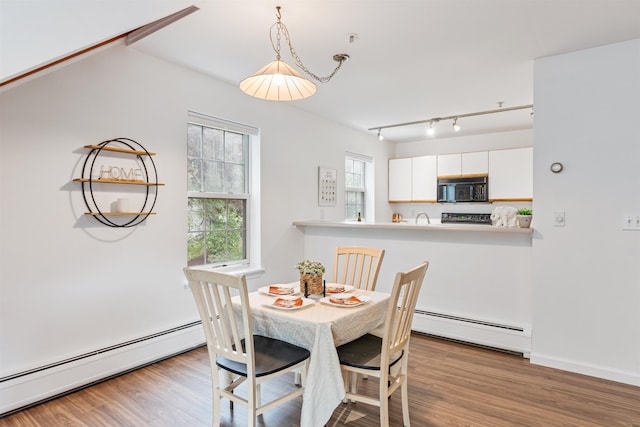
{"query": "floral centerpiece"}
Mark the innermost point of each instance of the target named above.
(311, 276)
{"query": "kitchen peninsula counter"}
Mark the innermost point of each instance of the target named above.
(478, 287)
(412, 226)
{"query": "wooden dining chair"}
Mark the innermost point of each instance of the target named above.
(386, 357)
(357, 266)
(233, 348)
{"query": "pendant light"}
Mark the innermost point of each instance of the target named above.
(278, 81)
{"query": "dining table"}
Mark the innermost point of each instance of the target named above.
(319, 326)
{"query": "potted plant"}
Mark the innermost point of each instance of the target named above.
(524, 217)
(310, 276)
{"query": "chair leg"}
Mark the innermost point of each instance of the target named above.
(345, 376)
(404, 391)
(258, 395)
(215, 409)
(384, 406)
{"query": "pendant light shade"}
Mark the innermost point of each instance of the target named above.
(277, 81)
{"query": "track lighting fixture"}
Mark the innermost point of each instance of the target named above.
(277, 81)
(380, 135)
(456, 126)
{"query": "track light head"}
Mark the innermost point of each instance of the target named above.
(380, 135)
(456, 126)
(431, 130)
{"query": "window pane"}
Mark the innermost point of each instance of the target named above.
(194, 173)
(216, 246)
(348, 180)
(208, 143)
(236, 245)
(213, 177)
(195, 215)
(195, 249)
(357, 167)
(236, 216)
(357, 181)
(348, 165)
(216, 214)
(234, 148)
(235, 178)
(194, 141)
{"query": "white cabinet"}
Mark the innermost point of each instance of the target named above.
(450, 164)
(424, 179)
(511, 175)
(476, 163)
(400, 180)
(459, 164)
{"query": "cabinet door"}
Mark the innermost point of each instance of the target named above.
(450, 164)
(424, 179)
(475, 163)
(400, 180)
(511, 175)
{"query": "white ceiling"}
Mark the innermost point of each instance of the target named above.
(411, 60)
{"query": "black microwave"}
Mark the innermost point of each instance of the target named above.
(463, 189)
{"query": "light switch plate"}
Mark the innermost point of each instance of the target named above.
(558, 219)
(631, 221)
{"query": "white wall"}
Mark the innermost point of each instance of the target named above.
(586, 278)
(70, 285)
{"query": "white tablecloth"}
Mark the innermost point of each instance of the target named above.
(319, 328)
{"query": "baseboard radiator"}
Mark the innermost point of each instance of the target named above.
(504, 337)
(27, 388)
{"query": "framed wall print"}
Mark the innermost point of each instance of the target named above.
(327, 186)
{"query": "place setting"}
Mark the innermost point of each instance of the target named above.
(288, 297)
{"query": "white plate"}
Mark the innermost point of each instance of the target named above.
(305, 303)
(347, 288)
(327, 300)
(265, 290)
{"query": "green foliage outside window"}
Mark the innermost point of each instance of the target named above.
(216, 231)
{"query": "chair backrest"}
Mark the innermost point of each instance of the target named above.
(357, 266)
(402, 304)
(224, 330)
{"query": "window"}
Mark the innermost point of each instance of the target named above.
(219, 200)
(358, 178)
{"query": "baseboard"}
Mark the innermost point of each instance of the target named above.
(510, 338)
(42, 384)
(630, 378)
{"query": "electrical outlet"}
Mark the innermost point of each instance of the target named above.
(631, 221)
(558, 219)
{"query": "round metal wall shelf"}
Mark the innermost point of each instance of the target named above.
(91, 184)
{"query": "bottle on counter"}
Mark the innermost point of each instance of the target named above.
(359, 217)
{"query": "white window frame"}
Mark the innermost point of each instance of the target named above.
(252, 263)
(368, 189)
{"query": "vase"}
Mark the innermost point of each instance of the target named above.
(524, 221)
(314, 283)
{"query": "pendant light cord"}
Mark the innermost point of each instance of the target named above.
(281, 28)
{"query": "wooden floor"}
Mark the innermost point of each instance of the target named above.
(450, 384)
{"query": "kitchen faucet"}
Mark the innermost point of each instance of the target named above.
(426, 216)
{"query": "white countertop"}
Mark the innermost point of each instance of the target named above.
(411, 225)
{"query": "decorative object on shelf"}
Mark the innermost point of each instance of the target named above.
(278, 81)
(311, 277)
(556, 167)
(504, 216)
(524, 216)
(145, 175)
